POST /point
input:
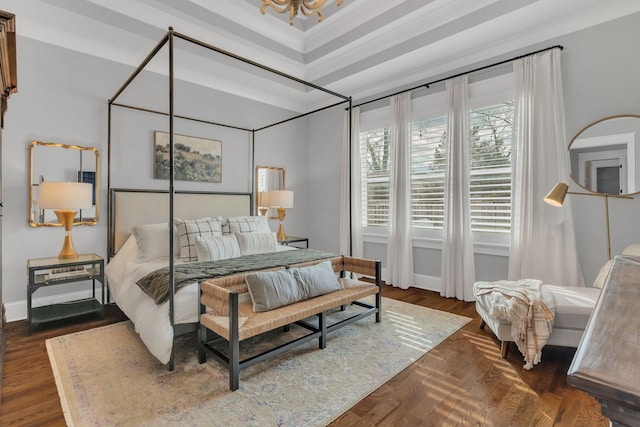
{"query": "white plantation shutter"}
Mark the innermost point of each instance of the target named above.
(427, 173)
(491, 132)
(374, 155)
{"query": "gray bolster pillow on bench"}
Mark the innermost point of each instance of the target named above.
(273, 289)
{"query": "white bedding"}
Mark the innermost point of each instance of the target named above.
(151, 320)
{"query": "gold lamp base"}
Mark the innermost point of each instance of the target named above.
(65, 217)
(281, 214)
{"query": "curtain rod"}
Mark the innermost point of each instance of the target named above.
(426, 85)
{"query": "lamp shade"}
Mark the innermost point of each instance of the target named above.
(281, 199)
(65, 195)
(263, 199)
(557, 195)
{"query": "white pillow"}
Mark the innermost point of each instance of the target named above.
(153, 240)
(239, 224)
(257, 243)
(189, 229)
(263, 224)
(602, 275)
(215, 248)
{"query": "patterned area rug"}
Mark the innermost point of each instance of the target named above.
(106, 376)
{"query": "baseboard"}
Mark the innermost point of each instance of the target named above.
(422, 281)
(18, 310)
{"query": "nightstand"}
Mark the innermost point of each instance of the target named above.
(293, 239)
(45, 272)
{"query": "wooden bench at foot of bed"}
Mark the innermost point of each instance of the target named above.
(232, 321)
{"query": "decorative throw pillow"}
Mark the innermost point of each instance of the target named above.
(263, 224)
(273, 289)
(239, 224)
(218, 247)
(316, 279)
(602, 275)
(257, 243)
(153, 240)
(189, 229)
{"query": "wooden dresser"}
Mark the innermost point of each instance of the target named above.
(606, 364)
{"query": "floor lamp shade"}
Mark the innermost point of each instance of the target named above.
(557, 194)
(65, 198)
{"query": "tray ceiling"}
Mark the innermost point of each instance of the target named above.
(362, 48)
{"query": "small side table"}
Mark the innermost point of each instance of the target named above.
(293, 239)
(43, 272)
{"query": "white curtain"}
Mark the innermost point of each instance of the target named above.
(351, 196)
(542, 236)
(400, 247)
(457, 270)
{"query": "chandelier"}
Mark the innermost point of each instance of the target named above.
(308, 7)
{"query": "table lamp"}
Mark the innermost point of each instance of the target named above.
(66, 198)
(282, 200)
(263, 202)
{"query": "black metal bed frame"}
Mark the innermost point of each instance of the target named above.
(168, 38)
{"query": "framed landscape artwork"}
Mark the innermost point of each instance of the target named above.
(196, 159)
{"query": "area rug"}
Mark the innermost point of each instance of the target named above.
(106, 376)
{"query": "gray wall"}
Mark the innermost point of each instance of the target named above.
(63, 98)
(600, 67)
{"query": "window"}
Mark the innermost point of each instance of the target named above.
(374, 155)
(491, 130)
(427, 172)
(490, 152)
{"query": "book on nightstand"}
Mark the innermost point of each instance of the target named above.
(65, 272)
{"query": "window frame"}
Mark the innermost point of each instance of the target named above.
(481, 94)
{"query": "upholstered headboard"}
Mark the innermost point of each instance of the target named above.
(133, 207)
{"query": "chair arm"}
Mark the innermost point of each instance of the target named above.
(365, 267)
(215, 298)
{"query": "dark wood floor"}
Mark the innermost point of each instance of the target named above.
(461, 382)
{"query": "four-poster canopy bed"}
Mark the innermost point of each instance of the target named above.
(138, 219)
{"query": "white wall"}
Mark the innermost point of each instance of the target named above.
(62, 98)
(600, 68)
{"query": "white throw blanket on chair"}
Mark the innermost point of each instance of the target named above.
(520, 303)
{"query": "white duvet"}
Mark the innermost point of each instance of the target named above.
(151, 320)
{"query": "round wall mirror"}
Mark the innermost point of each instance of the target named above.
(605, 155)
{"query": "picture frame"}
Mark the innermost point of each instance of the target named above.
(195, 159)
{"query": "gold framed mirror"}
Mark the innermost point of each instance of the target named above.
(268, 178)
(55, 162)
(605, 155)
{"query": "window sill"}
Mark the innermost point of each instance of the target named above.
(485, 244)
